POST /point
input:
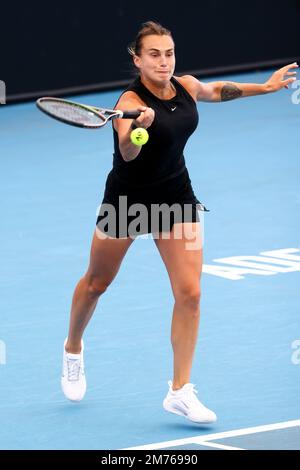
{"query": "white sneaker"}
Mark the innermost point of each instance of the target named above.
(184, 402)
(73, 381)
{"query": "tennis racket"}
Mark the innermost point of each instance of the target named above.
(80, 115)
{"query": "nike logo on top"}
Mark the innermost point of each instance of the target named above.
(173, 109)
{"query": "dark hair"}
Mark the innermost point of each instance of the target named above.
(148, 28)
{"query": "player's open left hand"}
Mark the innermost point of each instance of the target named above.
(279, 78)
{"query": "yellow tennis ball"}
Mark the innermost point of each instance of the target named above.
(139, 136)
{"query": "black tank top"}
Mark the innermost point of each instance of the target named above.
(162, 157)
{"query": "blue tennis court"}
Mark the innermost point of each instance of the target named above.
(244, 165)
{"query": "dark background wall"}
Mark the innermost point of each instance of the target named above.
(65, 47)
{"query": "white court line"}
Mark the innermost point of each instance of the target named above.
(220, 435)
(214, 445)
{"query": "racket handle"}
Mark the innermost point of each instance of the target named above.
(131, 114)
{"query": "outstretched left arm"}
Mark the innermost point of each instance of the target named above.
(225, 91)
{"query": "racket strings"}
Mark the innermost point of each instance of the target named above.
(74, 113)
(77, 114)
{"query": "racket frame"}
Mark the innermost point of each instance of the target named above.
(103, 113)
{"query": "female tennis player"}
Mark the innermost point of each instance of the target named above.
(149, 175)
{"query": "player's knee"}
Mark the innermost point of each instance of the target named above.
(96, 286)
(189, 296)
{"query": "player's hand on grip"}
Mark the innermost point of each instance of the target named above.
(146, 117)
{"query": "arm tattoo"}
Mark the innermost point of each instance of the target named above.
(230, 92)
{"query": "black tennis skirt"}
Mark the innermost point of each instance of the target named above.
(130, 210)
